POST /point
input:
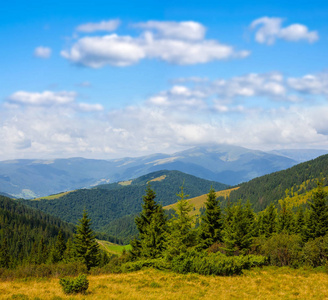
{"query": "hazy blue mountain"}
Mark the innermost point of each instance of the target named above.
(222, 163)
(300, 155)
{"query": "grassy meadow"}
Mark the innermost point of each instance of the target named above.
(199, 202)
(113, 248)
(266, 283)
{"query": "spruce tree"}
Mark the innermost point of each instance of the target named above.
(58, 249)
(86, 246)
(285, 218)
(210, 230)
(181, 235)
(4, 254)
(318, 219)
(151, 224)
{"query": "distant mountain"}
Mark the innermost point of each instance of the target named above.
(300, 155)
(222, 163)
(106, 203)
(295, 181)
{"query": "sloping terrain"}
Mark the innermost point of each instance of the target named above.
(108, 202)
(223, 163)
(297, 180)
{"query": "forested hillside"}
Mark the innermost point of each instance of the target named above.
(106, 203)
(24, 230)
(299, 179)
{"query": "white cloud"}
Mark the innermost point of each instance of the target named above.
(42, 52)
(176, 30)
(177, 46)
(238, 111)
(44, 98)
(96, 52)
(109, 25)
(310, 84)
(90, 107)
(271, 29)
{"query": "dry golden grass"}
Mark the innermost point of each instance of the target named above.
(267, 283)
(53, 197)
(160, 178)
(198, 202)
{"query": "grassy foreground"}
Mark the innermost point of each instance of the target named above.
(266, 283)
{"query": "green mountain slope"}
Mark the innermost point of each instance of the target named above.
(22, 227)
(108, 202)
(298, 180)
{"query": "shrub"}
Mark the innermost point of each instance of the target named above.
(76, 285)
(315, 252)
(283, 250)
(215, 263)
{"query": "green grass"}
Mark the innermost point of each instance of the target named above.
(53, 197)
(113, 248)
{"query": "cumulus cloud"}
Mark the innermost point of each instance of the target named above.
(42, 52)
(270, 29)
(44, 98)
(176, 30)
(311, 84)
(177, 43)
(109, 25)
(240, 110)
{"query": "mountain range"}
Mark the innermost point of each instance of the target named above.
(228, 164)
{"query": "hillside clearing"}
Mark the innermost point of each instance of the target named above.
(267, 283)
(113, 248)
(199, 202)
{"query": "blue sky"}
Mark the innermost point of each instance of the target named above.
(106, 79)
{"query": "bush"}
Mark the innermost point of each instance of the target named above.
(315, 252)
(76, 285)
(283, 250)
(215, 263)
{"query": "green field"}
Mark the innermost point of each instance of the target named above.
(113, 248)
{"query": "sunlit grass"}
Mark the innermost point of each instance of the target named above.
(266, 283)
(199, 202)
(113, 248)
(53, 197)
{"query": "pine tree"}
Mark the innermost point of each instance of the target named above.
(151, 224)
(4, 254)
(240, 228)
(86, 246)
(181, 235)
(285, 218)
(268, 225)
(57, 252)
(318, 218)
(210, 230)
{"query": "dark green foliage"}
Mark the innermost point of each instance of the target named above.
(214, 263)
(318, 218)
(285, 219)
(85, 244)
(151, 224)
(107, 203)
(181, 234)
(283, 250)
(76, 285)
(263, 190)
(315, 252)
(27, 234)
(239, 228)
(210, 230)
(267, 221)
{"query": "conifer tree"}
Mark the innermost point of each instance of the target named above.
(318, 219)
(269, 221)
(151, 224)
(210, 230)
(181, 235)
(285, 218)
(4, 254)
(86, 246)
(240, 229)
(58, 249)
